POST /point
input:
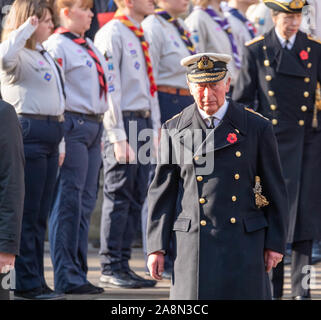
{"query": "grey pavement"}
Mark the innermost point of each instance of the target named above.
(160, 291)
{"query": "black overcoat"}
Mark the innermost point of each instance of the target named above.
(284, 91)
(12, 188)
(208, 205)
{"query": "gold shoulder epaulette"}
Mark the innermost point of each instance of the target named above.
(248, 43)
(314, 39)
(259, 114)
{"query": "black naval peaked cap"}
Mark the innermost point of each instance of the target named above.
(287, 6)
(206, 67)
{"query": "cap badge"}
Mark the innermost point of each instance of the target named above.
(296, 4)
(205, 63)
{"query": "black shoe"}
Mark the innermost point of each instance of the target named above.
(301, 298)
(144, 282)
(119, 280)
(37, 294)
(86, 288)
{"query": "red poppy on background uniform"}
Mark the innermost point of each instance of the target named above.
(59, 60)
(231, 138)
(304, 55)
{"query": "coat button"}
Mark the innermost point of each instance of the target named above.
(273, 107)
(203, 223)
(308, 49)
(236, 176)
(196, 158)
(202, 200)
(309, 65)
(199, 178)
(232, 220)
(307, 80)
(304, 108)
(271, 93)
(238, 153)
(274, 122)
(301, 123)
(266, 63)
(306, 94)
(234, 198)
(268, 77)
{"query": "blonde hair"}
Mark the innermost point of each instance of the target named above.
(20, 11)
(60, 4)
(201, 3)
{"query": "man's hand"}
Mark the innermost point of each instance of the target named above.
(271, 259)
(123, 152)
(6, 262)
(61, 159)
(155, 265)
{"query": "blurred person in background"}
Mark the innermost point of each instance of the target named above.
(84, 68)
(33, 83)
(11, 193)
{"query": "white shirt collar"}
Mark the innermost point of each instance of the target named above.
(219, 114)
(282, 40)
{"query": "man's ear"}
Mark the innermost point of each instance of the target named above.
(228, 83)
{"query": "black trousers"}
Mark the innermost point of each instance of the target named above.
(301, 257)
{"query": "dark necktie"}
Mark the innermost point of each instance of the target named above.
(211, 122)
(286, 45)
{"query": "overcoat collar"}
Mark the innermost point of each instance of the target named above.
(234, 124)
(288, 62)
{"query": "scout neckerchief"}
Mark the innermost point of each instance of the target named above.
(250, 27)
(82, 42)
(185, 35)
(140, 35)
(224, 24)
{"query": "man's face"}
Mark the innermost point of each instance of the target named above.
(287, 24)
(210, 96)
(143, 7)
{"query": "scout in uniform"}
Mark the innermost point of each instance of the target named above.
(86, 101)
(230, 228)
(281, 71)
(33, 83)
(212, 32)
(170, 42)
(132, 102)
(243, 30)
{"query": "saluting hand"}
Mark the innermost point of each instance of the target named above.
(271, 259)
(34, 21)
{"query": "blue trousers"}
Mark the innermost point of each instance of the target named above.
(75, 199)
(172, 104)
(125, 189)
(41, 139)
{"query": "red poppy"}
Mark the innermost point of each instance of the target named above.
(304, 55)
(59, 60)
(231, 138)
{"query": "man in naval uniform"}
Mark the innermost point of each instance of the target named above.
(280, 71)
(219, 164)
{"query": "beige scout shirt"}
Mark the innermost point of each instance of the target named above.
(28, 81)
(167, 49)
(210, 37)
(128, 83)
(239, 29)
